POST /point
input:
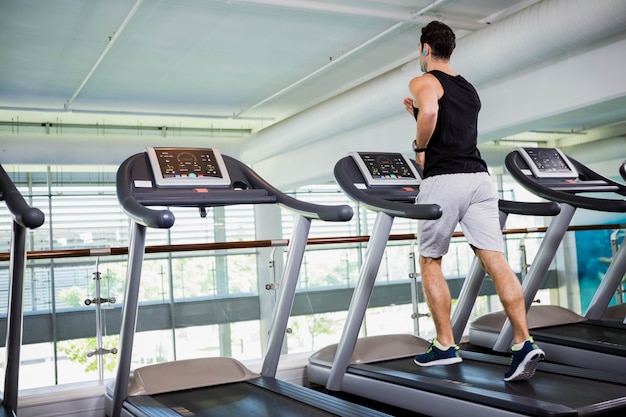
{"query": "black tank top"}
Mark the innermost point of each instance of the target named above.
(452, 147)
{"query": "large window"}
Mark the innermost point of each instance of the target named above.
(202, 303)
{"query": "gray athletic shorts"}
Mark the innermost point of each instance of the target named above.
(470, 200)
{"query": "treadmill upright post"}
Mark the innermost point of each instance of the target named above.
(288, 284)
(360, 299)
(539, 268)
(614, 275)
(129, 315)
(14, 318)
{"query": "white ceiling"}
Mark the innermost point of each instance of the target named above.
(232, 67)
(249, 63)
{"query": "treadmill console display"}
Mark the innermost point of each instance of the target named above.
(383, 168)
(188, 167)
(548, 163)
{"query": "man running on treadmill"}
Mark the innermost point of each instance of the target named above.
(446, 108)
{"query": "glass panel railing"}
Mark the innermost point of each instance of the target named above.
(184, 313)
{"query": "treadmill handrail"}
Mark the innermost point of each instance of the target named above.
(161, 219)
(164, 218)
(543, 208)
(332, 213)
(392, 208)
(515, 165)
(622, 170)
(22, 212)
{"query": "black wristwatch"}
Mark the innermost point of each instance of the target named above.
(416, 149)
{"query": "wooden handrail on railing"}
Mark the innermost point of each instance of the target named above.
(190, 247)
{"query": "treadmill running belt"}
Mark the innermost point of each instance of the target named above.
(237, 399)
(258, 397)
(548, 393)
(603, 338)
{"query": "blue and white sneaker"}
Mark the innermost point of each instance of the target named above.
(436, 356)
(524, 362)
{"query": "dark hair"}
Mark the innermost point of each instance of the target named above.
(440, 38)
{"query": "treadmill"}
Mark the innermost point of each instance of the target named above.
(618, 312)
(566, 337)
(218, 386)
(382, 368)
(24, 217)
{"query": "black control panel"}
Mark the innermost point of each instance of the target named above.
(184, 167)
(548, 163)
(387, 169)
(548, 173)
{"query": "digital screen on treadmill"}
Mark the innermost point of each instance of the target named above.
(386, 165)
(548, 162)
(386, 168)
(191, 166)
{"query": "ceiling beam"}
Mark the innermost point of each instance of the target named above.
(112, 40)
(418, 17)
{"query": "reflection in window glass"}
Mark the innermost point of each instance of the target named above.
(314, 331)
(392, 319)
(77, 360)
(193, 276)
(37, 365)
(197, 342)
(155, 279)
(152, 347)
(207, 341)
(242, 277)
(329, 267)
(245, 340)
